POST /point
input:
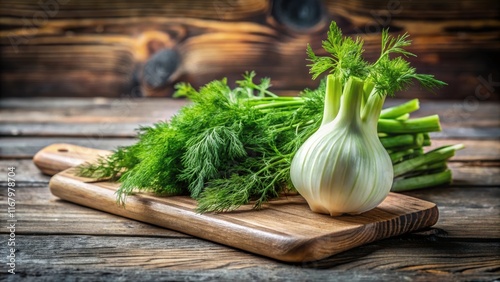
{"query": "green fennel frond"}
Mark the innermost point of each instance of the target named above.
(390, 75)
(319, 64)
(345, 56)
(394, 45)
(393, 75)
(428, 81)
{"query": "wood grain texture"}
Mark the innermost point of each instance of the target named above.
(300, 235)
(100, 258)
(27, 147)
(465, 212)
(476, 208)
(109, 128)
(27, 173)
(40, 212)
(84, 48)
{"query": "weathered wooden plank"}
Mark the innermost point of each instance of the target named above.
(94, 118)
(91, 9)
(27, 174)
(475, 150)
(44, 107)
(112, 127)
(92, 106)
(88, 9)
(402, 257)
(107, 48)
(40, 212)
(471, 174)
(292, 274)
(26, 147)
(470, 112)
(464, 213)
(103, 129)
(412, 10)
(492, 133)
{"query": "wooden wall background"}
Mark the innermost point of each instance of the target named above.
(118, 48)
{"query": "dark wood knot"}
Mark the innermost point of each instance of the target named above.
(298, 14)
(160, 67)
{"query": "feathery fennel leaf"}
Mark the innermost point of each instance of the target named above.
(390, 75)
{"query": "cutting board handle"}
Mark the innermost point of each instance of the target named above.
(58, 157)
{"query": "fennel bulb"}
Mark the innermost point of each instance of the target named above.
(343, 167)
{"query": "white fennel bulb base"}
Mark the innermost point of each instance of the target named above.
(343, 168)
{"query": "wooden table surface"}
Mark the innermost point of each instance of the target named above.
(58, 240)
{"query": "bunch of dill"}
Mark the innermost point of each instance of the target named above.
(227, 148)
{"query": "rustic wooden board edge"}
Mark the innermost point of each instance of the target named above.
(60, 156)
(208, 226)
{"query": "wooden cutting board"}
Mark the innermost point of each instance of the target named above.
(285, 229)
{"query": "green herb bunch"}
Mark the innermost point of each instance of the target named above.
(228, 147)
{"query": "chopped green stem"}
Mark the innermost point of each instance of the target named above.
(419, 139)
(418, 151)
(397, 156)
(414, 147)
(403, 117)
(399, 110)
(422, 181)
(434, 156)
(426, 169)
(415, 125)
(402, 140)
(427, 140)
(431, 167)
